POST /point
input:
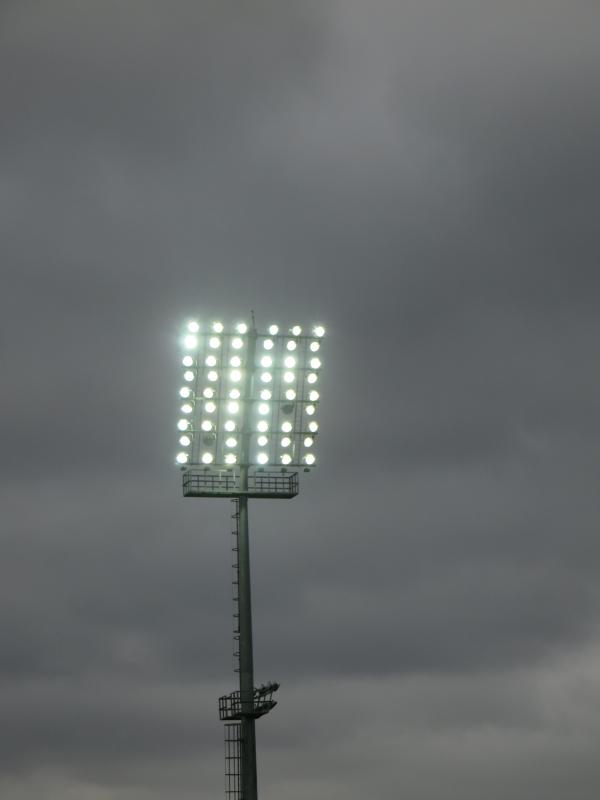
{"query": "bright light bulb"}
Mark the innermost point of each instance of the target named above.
(233, 407)
(190, 341)
(262, 458)
(185, 392)
(231, 441)
(310, 410)
(193, 327)
(314, 346)
(181, 458)
(183, 424)
(289, 377)
(241, 327)
(273, 330)
(187, 361)
(207, 458)
(235, 361)
(188, 375)
(230, 458)
(214, 342)
(314, 395)
(211, 361)
(210, 407)
(286, 441)
(206, 425)
(265, 394)
(235, 376)
(234, 394)
(185, 441)
(313, 426)
(315, 363)
(263, 441)
(229, 425)
(266, 377)
(213, 375)
(187, 408)
(263, 408)
(319, 331)
(291, 345)
(290, 394)
(262, 426)
(309, 458)
(296, 330)
(266, 361)
(289, 362)
(308, 442)
(286, 458)
(237, 343)
(217, 327)
(208, 392)
(268, 344)
(312, 377)
(286, 427)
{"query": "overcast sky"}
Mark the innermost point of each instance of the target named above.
(422, 176)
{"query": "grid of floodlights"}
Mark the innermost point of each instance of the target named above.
(281, 414)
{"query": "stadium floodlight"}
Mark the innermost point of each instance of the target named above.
(249, 421)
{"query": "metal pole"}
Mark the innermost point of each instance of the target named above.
(249, 782)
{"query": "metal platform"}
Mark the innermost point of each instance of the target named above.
(210, 482)
(230, 705)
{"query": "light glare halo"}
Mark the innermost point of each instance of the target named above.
(262, 426)
(207, 458)
(190, 341)
(235, 376)
(289, 362)
(266, 377)
(314, 346)
(241, 327)
(229, 425)
(183, 424)
(214, 342)
(262, 458)
(308, 441)
(187, 408)
(210, 407)
(217, 327)
(290, 394)
(185, 441)
(182, 458)
(319, 331)
(185, 391)
(234, 394)
(268, 344)
(312, 377)
(273, 330)
(291, 345)
(231, 441)
(286, 441)
(213, 375)
(266, 361)
(193, 326)
(210, 361)
(235, 361)
(230, 458)
(289, 377)
(313, 426)
(233, 407)
(263, 408)
(208, 393)
(310, 410)
(286, 427)
(237, 343)
(286, 458)
(296, 330)
(206, 425)
(188, 375)
(309, 458)
(315, 363)
(314, 395)
(187, 361)
(265, 394)
(262, 441)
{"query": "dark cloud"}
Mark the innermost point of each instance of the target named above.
(420, 177)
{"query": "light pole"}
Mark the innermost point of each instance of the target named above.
(248, 419)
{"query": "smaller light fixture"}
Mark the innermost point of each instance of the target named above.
(265, 394)
(268, 344)
(234, 394)
(313, 426)
(241, 327)
(286, 427)
(263, 408)
(286, 458)
(308, 441)
(214, 342)
(290, 394)
(213, 375)
(182, 458)
(229, 425)
(235, 361)
(231, 441)
(208, 393)
(187, 361)
(190, 341)
(315, 363)
(310, 410)
(266, 377)
(263, 441)
(262, 426)
(210, 361)
(266, 361)
(309, 458)
(233, 407)
(230, 458)
(237, 343)
(207, 458)
(289, 377)
(314, 346)
(235, 376)
(188, 375)
(262, 458)
(312, 377)
(319, 331)
(313, 395)
(193, 326)
(296, 330)
(185, 441)
(286, 441)
(187, 408)
(210, 407)
(217, 327)
(291, 345)
(206, 425)
(183, 424)
(185, 391)
(273, 330)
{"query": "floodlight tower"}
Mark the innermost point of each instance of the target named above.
(248, 419)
